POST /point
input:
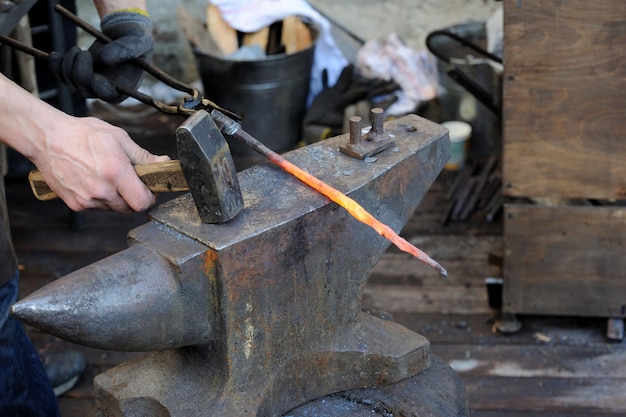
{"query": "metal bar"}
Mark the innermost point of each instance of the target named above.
(22, 47)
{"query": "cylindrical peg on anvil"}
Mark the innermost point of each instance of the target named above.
(377, 132)
(355, 130)
(377, 118)
(130, 301)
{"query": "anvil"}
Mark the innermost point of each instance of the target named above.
(257, 315)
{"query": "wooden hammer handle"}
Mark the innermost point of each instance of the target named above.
(160, 177)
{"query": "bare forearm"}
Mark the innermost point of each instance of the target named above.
(107, 6)
(25, 119)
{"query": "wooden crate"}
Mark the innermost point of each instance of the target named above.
(564, 136)
(565, 98)
(565, 260)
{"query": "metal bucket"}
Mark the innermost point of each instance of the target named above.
(269, 94)
(471, 87)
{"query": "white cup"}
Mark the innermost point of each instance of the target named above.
(460, 133)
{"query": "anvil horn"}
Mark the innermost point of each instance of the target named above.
(134, 301)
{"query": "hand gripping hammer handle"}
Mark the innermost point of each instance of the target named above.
(160, 177)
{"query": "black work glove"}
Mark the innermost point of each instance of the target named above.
(328, 106)
(93, 73)
(325, 117)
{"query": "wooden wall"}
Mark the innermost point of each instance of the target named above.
(564, 92)
(564, 137)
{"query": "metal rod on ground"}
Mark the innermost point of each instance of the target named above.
(481, 180)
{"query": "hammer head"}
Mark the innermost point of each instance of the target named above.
(208, 167)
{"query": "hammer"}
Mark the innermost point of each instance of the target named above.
(205, 167)
(205, 161)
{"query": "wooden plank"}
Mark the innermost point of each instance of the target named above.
(195, 30)
(221, 33)
(259, 37)
(65, 240)
(547, 395)
(400, 284)
(465, 258)
(565, 260)
(579, 377)
(296, 36)
(564, 106)
(444, 299)
(542, 413)
(544, 360)
(451, 247)
(454, 329)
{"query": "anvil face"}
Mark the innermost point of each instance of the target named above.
(260, 314)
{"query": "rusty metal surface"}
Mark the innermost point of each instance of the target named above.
(373, 142)
(268, 302)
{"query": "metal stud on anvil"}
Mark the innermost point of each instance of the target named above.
(260, 314)
(374, 141)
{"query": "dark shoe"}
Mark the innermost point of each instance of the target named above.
(63, 369)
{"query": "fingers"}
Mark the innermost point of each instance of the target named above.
(103, 89)
(125, 48)
(126, 195)
(75, 69)
(138, 155)
(132, 190)
(135, 193)
(345, 78)
(97, 197)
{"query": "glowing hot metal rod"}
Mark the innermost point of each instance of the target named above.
(232, 128)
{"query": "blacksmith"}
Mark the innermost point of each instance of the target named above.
(86, 161)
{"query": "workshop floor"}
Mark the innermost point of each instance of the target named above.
(553, 367)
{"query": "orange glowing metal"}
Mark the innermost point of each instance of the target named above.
(232, 128)
(355, 210)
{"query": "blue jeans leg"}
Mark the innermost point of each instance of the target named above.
(25, 390)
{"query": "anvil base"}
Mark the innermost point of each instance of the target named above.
(179, 383)
(436, 392)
